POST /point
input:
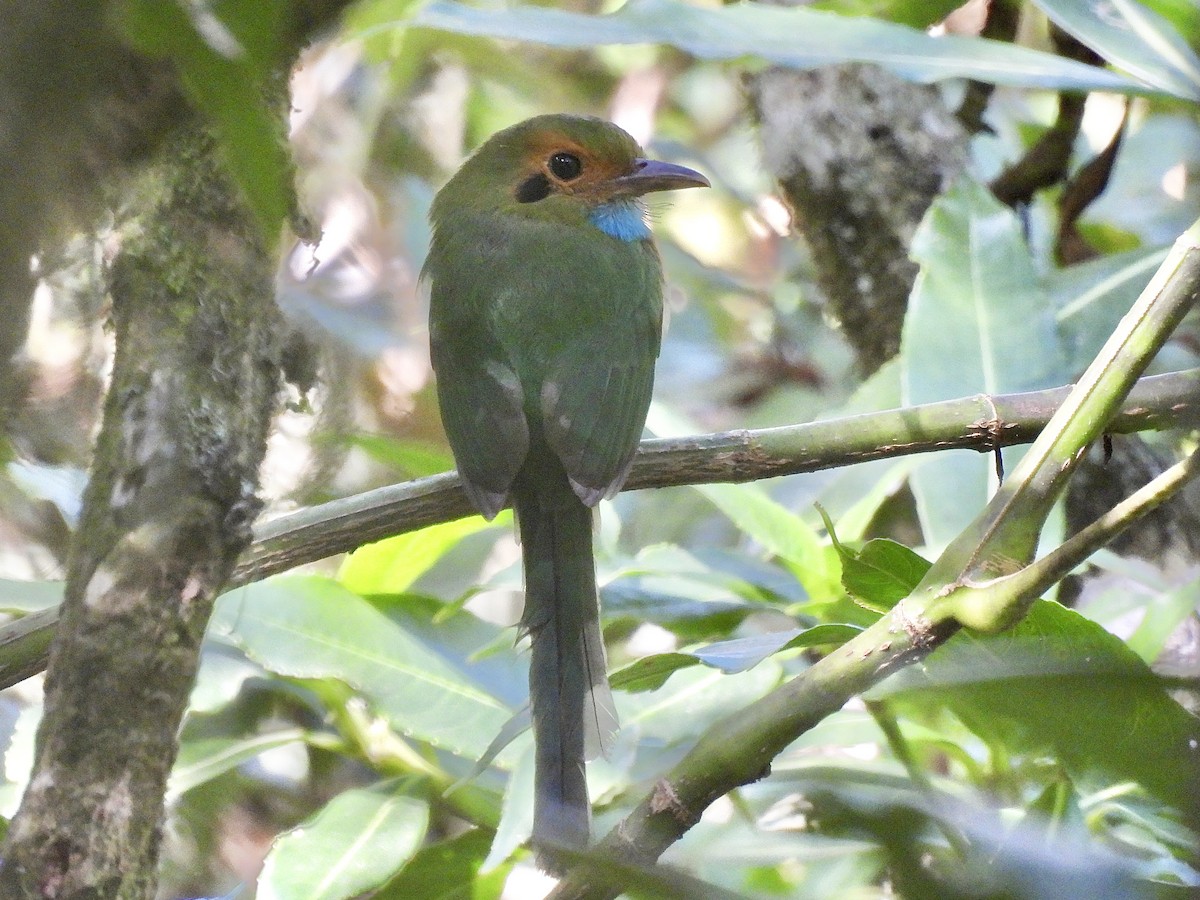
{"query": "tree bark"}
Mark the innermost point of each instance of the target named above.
(860, 154)
(172, 496)
(167, 512)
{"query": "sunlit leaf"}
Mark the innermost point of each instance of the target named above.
(791, 36)
(978, 321)
(1134, 38)
(391, 566)
(226, 62)
(359, 840)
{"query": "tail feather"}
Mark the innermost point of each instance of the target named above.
(573, 713)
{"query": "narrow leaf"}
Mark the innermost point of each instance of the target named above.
(651, 672)
(1134, 38)
(794, 37)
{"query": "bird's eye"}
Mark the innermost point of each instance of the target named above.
(565, 166)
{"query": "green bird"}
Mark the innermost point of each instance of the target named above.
(545, 321)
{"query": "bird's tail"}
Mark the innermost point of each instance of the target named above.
(573, 713)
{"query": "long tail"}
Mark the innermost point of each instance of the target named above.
(573, 712)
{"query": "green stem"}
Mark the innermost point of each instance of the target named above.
(881, 712)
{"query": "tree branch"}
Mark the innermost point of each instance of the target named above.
(979, 423)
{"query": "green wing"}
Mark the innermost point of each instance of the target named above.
(593, 411)
(481, 401)
(597, 385)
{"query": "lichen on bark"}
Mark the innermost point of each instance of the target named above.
(860, 154)
(167, 512)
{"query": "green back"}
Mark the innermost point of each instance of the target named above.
(541, 331)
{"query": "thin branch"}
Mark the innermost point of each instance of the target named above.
(980, 423)
(739, 749)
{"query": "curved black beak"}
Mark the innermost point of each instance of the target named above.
(652, 175)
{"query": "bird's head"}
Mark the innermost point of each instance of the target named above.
(572, 170)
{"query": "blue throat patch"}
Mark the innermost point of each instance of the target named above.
(623, 219)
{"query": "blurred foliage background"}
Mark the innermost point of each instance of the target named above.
(338, 707)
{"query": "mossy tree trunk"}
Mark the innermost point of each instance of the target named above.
(166, 514)
(173, 486)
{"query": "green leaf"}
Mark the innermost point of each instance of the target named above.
(676, 589)
(1165, 612)
(798, 38)
(1091, 298)
(359, 840)
(692, 700)
(223, 671)
(415, 459)
(780, 531)
(1060, 683)
(225, 63)
(202, 760)
(914, 13)
(391, 566)
(1134, 38)
(1181, 14)
(311, 627)
(448, 870)
(978, 321)
(882, 573)
(516, 815)
(651, 672)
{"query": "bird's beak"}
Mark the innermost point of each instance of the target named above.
(652, 175)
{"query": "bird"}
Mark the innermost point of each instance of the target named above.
(545, 321)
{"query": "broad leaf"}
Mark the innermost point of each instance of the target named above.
(882, 573)
(1091, 297)
(1060, 683)
(226, 63)
(358, 841)
(391, 566)
(203, 760)
(310, 627)
(978, 321)
(780, 531)
(448, 870)
(692, 700)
